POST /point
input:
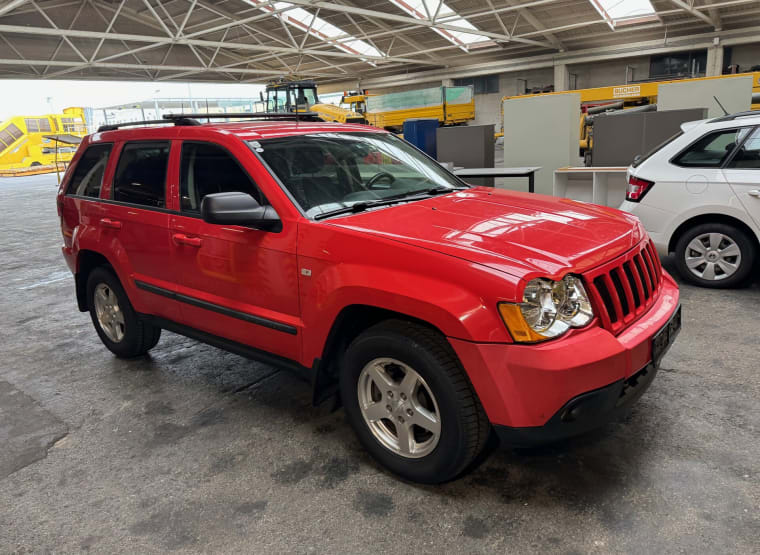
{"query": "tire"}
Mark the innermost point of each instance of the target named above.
(388, 351)
(727, 258)
(121, 330)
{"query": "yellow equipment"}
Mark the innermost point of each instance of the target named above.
(330, 112)
(624, 97)
(30, 145)
(449, 105)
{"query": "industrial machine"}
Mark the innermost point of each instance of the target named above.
(284, 96)
(32, 145)
(449, 105)
(634, 96)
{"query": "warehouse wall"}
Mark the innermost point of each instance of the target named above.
(596, 74)
(746, 55)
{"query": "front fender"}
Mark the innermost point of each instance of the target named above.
(456, 296)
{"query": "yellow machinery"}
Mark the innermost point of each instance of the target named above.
(625, 97)
(449, 105)
(31, 145)
(330, 112)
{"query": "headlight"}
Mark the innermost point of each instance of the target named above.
(548, 309)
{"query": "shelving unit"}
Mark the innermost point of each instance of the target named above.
(599, 185)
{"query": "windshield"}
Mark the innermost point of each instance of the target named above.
(329, 171)
(305, 96)
(278, 100)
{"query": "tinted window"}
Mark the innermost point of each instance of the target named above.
(141, 174)
(711, 150)
(206, 169)
(748, 156)
(637, 161)
(88, 175)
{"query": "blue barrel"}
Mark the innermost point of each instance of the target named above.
(421, 133)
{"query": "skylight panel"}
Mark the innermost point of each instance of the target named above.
(434, 9)
(625, 12)
(319, 28)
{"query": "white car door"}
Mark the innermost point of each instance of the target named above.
(742, 173)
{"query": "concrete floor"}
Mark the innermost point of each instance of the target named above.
(193, 449)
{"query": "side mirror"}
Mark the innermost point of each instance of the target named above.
(261, 96)
(236, 208)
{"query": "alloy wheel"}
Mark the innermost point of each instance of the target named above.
(399, 407)
(109, 314)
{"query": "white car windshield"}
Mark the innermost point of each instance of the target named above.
(325, 172)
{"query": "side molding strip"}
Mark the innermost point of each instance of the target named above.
(258, 320)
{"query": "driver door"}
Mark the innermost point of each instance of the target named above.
(233, 281)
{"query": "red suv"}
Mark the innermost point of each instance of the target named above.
(440, 313)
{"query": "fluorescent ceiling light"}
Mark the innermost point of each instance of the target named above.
(625, 12)
(319, 28)
(439, 12)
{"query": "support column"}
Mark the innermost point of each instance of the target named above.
(561, 77)
(714, 61)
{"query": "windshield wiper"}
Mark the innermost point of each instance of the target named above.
(428, 191)
(360, 206)
(363, 205)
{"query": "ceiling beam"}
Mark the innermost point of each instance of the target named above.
(536, 24)
(644, 48)
(374, 14)
(685, 6)
(11, 5)
(153, 39)
(114, 65)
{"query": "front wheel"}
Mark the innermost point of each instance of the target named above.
(120, 328)
(410, 403)
(715, 255)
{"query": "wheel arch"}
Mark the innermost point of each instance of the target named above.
(350, 322)
(707, 219)
(87, 261)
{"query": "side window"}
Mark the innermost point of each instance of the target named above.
(206, 168)
(711, 150)
(141, 174)
(88, 175)
(748, 156)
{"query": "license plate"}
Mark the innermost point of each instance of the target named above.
(664, 338)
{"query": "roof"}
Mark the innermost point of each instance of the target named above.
(246, 130)
(377, 42)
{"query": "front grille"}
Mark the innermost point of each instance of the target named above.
(625, 288)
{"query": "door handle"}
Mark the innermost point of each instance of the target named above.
(755, 193)
(113, 224)
(182, 239)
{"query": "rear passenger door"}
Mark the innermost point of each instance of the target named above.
(233, 281)
(136, 225)
(743, 174)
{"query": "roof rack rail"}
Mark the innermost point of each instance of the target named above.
(173, 121)
(290, 116)
(737, 115)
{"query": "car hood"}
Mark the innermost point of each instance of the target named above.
(522, 234)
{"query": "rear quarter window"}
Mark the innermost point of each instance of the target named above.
(87, 178)
(711, 150)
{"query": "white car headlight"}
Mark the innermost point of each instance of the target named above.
(548, 309)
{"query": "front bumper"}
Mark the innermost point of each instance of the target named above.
(582, 413)
(540, 393)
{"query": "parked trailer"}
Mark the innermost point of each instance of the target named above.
(449, 105)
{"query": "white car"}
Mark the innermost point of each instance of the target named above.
(698, 196)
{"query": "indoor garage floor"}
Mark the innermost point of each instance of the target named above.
(194, 449)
